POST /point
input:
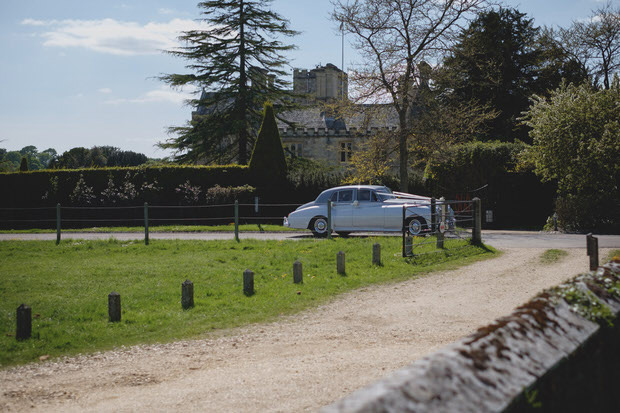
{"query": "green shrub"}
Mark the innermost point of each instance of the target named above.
(114, 186)
(492, 172)
(268, 164)
(226, 195)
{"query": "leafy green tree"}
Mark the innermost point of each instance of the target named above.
(23, 166)
(238, 61)
(576, 141)
(47, 156)
(500, 60)
(268, 163)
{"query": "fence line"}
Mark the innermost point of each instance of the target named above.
(250, 213)
(445, 223)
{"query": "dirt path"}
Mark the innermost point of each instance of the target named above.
(298, 363)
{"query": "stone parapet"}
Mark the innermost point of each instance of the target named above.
(558, 352)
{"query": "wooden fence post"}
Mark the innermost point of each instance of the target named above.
(433, 215)
(442, 222)
(146, 223)
(340, 267)
(298, 275)
(236, 220)
(476, 235)
(24, 322)
(187, 294)
(114, 306)
(329, 219)
(248, 282)
(376, 254)
(57, 224)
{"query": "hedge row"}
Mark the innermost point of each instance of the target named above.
(490, 171)
(177, 185)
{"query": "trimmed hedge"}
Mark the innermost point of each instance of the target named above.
(176, 185)
(489, 170)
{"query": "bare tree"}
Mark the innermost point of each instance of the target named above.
(596, 43)
(393, 37)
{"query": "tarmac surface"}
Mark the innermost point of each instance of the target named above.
(495, 238)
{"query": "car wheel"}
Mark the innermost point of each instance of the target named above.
(416, 225)
(318, 226)
(343, 234)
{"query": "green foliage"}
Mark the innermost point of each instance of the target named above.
(117, 186)
(500, 60)
(312, 177)
(226, 195)
(552, 256)
(12, 160)
(23, 166)
(239, 63)
(66, 286)
(97, 156)
(268, 164)
(494, 171)
(472, 165)
(576, 135)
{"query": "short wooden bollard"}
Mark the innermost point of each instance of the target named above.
(248, 282)
(340, 263)
(408, 246)
(592, 247)
(376, 254)
(187, 294)
(114, 306)
(24, 322)
(298, 276)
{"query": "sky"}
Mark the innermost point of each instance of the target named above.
(83, 72)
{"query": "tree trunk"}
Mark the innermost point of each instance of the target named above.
(404, 158)
(242, 133)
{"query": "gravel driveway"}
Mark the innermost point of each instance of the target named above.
(298, 363)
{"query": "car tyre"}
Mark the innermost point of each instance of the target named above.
(319, 227)
(416, 225)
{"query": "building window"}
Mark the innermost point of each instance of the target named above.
(345, 151)
(295, 149)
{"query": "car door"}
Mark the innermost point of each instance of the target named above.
(367, 211)
(342, 209)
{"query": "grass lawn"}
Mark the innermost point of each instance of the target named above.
(162, 228)
(552, 256)
(67, 286)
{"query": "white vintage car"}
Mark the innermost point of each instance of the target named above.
(359, 208)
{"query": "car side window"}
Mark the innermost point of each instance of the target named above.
(373, 197)
(363, 195)
(345, 196)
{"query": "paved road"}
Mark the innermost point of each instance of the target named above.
(498, 239)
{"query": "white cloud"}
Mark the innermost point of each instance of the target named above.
(166, 11)
(114, 37)
(105, 90)
(33, 22)
(162, 95)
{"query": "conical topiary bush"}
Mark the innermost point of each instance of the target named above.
(268, 164)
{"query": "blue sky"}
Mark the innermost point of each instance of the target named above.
(81, 72)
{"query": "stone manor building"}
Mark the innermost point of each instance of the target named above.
(316, 130)
(320, 133)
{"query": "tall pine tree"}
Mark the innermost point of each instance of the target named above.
(239, 64)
